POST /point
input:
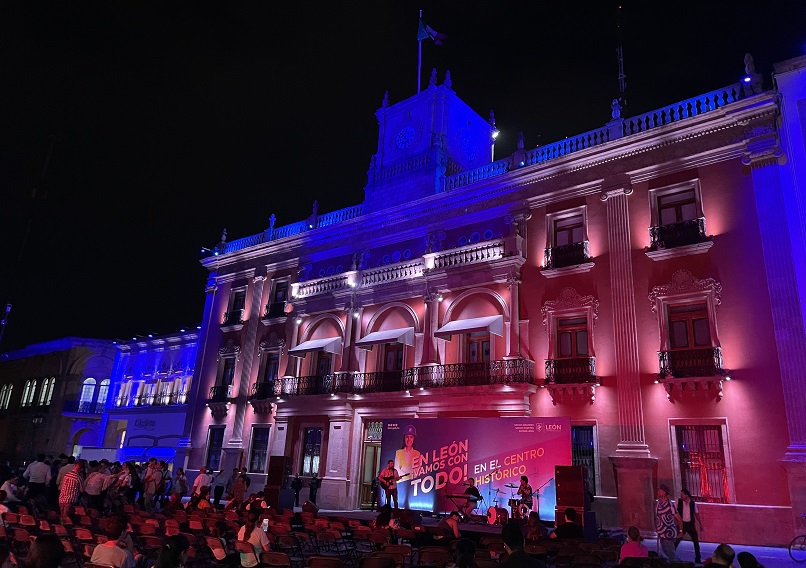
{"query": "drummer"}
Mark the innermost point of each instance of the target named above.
(525, 491)
(473, 498)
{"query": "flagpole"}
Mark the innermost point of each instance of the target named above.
(419, 58)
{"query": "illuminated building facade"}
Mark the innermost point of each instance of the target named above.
(52, 396)
(642, 278)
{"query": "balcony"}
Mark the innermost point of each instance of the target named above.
(165, 399)
(678, 239)
(275, 310)
(264, 390)
(573, 378)
(692, 370)
(232, 320)
(220, 393)
(79, 407)
(567, 259)
(433, 376)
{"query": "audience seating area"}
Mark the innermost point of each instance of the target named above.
(303, 540)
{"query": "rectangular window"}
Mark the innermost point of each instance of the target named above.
(227, 371)
(215, 443)
(701, 462)
(259, 449)
(312, 448)
(583, 452)
(276, 307)
(677, 207)
(572, 337)
(478, 347)
(272, 368)
(569, 230)
(237, 303)
(689, 327)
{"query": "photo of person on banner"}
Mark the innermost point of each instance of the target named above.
(406, 460)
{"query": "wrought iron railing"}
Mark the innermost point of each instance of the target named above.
(265, 389)
(83, 407)
(232, 317)
(220, 393)
(567, 255)
(505, 372)
(275, 310)
(677, 234)
(691, 363)
(575, 370)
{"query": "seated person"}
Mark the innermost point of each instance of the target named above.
(448, 528)
(569, 529)
(534, 528)
(112, 552)
(633, 547)
(14, 494)
(516, 557)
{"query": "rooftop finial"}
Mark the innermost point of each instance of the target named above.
(433, 80)
(385, 102)
(448, 81)
(520, 140)
(224, 236)
(753, 82)
(615, 109)
(316, 207)
(492, 118)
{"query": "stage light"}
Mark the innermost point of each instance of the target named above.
(134, 339)
(656, 381)
(598, 384)
(198, 327)
(727, 378)
(746, 79)
(521, 164)
(495, 134)
(422, 388)
(298, 320)
(440, 298)
(407, 391)
(182, 330)
(150, 335)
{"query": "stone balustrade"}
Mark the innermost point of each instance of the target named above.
(320, 286)
(469, 254)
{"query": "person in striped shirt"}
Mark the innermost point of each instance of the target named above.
(72, 486)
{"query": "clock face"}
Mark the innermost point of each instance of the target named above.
(405, 137)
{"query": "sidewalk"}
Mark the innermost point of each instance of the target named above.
(768, 556)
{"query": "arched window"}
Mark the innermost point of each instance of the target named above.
(87, 394)
(28, 393)
(103, 392)
(46, 394)
(5, 394)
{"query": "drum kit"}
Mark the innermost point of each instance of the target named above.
(500, 515)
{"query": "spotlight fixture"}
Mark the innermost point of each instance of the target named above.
(440, 297)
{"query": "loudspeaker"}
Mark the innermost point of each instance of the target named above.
(570, 486)
(279, 470)
(308, 507)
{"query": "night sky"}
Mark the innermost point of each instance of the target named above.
(175, 120)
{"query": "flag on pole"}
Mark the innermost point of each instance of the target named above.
(425, 32)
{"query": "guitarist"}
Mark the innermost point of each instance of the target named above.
(388, 478)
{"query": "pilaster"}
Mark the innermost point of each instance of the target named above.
(291, 362)
(628, 385)
(430, 355)
(280, 435)
(513, 336)
(250, 341)
(635, 490)
(335, 482)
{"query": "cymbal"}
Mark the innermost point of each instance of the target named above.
(510, 485)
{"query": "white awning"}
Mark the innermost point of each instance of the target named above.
(329, 345)
(492, 324)
(404, 335)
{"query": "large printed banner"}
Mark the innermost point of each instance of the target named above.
(436, 456)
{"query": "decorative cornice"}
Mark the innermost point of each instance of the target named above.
(684, 282)
(241, 274)
(229, 349)
(569, 299)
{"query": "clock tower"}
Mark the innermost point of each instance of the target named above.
(421, 140)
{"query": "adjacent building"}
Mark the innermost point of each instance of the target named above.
(52, 396)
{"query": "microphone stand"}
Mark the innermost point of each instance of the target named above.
(538, 496)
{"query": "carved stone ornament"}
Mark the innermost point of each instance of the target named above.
(570, 298)
(229, 349)
(273, 342)
(683, 282)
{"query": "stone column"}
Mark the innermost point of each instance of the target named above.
(335, 482)
(632, 461)
(280, 435)
(777, 236)
(248, 354)
(430, 354)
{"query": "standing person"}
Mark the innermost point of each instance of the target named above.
(152, 483)
(231, 480)
(95, 487)
(633, 547)
(687, 509)
(237, 491)
(373, 489)
(71, 488)
(313, 487)
(204, 479)
(388, 478)
(64, 470)
(525, 491)
(180, 483)
(667, 523)
(38, 475)
(254, 535)
(296, 485)
(473, 497)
